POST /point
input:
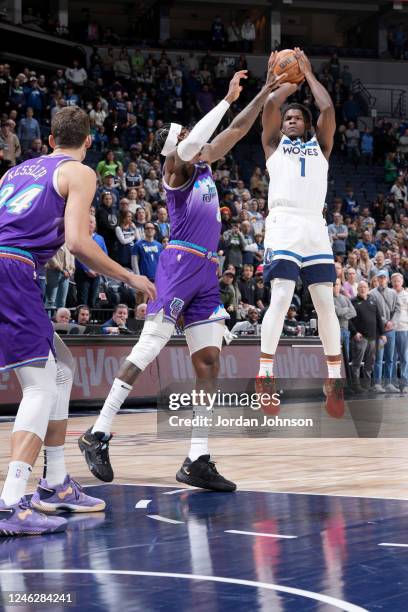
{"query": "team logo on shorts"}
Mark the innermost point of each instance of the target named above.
(268, 257)
(176, 307)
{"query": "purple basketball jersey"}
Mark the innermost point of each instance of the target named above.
(186, 282)
(194, 210)
(31, 209)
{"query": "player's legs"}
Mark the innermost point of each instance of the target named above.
(204, 342)
(272, 323)
(282, 263)
(94, 443)
(57, 490)
(329, 327)
(39, 395)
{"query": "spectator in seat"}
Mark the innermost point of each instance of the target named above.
(126, 236)
(344, 311)
(117, 324)
(379, 265)
(400, 321)
(63, 316)
(146, 253)
(399, 191)
(59, 268)
(366, 221)
(108, 186)
(290, 324)
(350, 286)
(367, 146)
(350, 204)
(247, 286)
(353, 142)
(390, 169)
(12, 148)
(83, 314)
(28, 129)
(250, 326)
(351, 110)
(108, 166)
(76, 75)
(162, 224)
(107, 221)
(133, 177)
(338, 233)
(365, 264)
(87, 281)
(365, 329)
(262, 291)
(248, 35)
(388, 307)
(36, 150)
(366, 243)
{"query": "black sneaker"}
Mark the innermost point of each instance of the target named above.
(203, 473)
(95, 449)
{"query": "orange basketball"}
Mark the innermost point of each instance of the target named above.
(288, 63)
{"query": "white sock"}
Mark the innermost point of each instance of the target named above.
(54, 465)
(117, 395)
(266, 367)
(334, 369)
(199, 434)
(16, 482)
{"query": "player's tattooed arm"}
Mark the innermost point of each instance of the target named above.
(326, 123)
(243, 122)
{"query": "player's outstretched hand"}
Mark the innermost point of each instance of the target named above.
(272, 80)
(142, 283)
(303, 61)
(235, 86)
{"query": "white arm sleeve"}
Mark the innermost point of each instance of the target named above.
(202, 132)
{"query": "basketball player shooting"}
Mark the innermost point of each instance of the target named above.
(39, 199)
(296, 238)
(186, 278)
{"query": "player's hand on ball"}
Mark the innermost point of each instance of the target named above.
(303, 61)
(272, 80)
(235, 87)
(142, 283)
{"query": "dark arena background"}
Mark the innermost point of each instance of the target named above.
(319, 518)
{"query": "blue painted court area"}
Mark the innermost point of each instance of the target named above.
(168, 549)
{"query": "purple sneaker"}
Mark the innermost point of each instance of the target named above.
(22, 519)
(67, 496)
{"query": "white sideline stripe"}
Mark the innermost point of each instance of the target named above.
(337, 603)
(157, 517)
(176, 491)
(143, 503)
(267, 535)
(393, 544)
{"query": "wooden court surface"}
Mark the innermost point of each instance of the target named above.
(363, 467)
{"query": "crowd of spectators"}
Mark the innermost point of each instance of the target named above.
(128, 98)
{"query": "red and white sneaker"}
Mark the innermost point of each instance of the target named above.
(267, 385)
(333, 390)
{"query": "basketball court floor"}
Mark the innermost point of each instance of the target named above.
(316, 524)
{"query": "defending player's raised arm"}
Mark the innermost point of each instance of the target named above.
(271, 116)
(326, 123)
(242, 123)
(182, 159)
(78, 182)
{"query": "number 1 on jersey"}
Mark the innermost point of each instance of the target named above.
(302, 166)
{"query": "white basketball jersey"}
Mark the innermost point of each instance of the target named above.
(297, 175)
